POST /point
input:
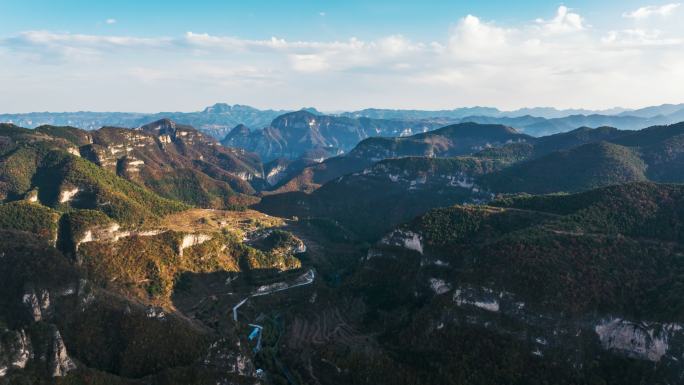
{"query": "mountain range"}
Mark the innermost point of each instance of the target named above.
(471, 169)
(219, 119)
(339, 249)
(304, 134)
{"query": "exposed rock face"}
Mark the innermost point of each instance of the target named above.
(646, 341)
(66, 195)
(276, 173)
(190, 240)
(59, 362)
(98, 233)
(406, 239)
(483, 298)
(15, 350)
(74, 151)
(16, 347)
(439, 286)
(111, 232)
(131, 164)
(32, 196)
(37, 304)
(155, 312)
(86, 295)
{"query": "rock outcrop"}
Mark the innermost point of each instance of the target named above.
(38, 304)
(642, 340)
(15, 350)
(190, 240)
(59, 362)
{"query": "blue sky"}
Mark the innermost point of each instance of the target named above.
(182, 55)
(289, 19)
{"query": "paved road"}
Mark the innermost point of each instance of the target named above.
(305, 279)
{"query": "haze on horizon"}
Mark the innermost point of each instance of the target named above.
(183, 56)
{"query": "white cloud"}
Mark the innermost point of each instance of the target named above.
(50, 39)
(640, 37)
(110, 21)
(652, 10)
(558, 61)
(309, 63)
(471, 34)
(565, 21)
(322, 14)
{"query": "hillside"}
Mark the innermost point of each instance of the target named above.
(577, 137)
(580, 168)
(42, 171)
(368, 198)
(661, 148)
(389, 192)
(107, 316)
(104, 313)
(92, 262)
(454, 140)
(534, 286)
(587, 158)
(296, 134)
(308, 178)
(175, 161)
(464, 139)
(658, 147)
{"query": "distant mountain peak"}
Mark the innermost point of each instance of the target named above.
(239, 130)
(221, 108)
(312, 110)
(478, 128)
(164, 125)
(295, 115)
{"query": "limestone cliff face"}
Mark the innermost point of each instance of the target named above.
(190, 240)
(38, 304)
(15, 350)
(112, 232)
(38, 340)
(406, 239)
(59, 362)
(642, 340)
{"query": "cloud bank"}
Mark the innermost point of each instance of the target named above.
(561, 60)
(652, 10)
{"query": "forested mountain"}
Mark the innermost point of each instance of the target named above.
(355, 192)
(563, 286)
(470, 253)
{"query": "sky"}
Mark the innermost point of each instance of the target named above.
(152, 55)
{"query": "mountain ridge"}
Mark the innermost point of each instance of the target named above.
(217, 120)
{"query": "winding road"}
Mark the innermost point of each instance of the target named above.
(305, 279)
